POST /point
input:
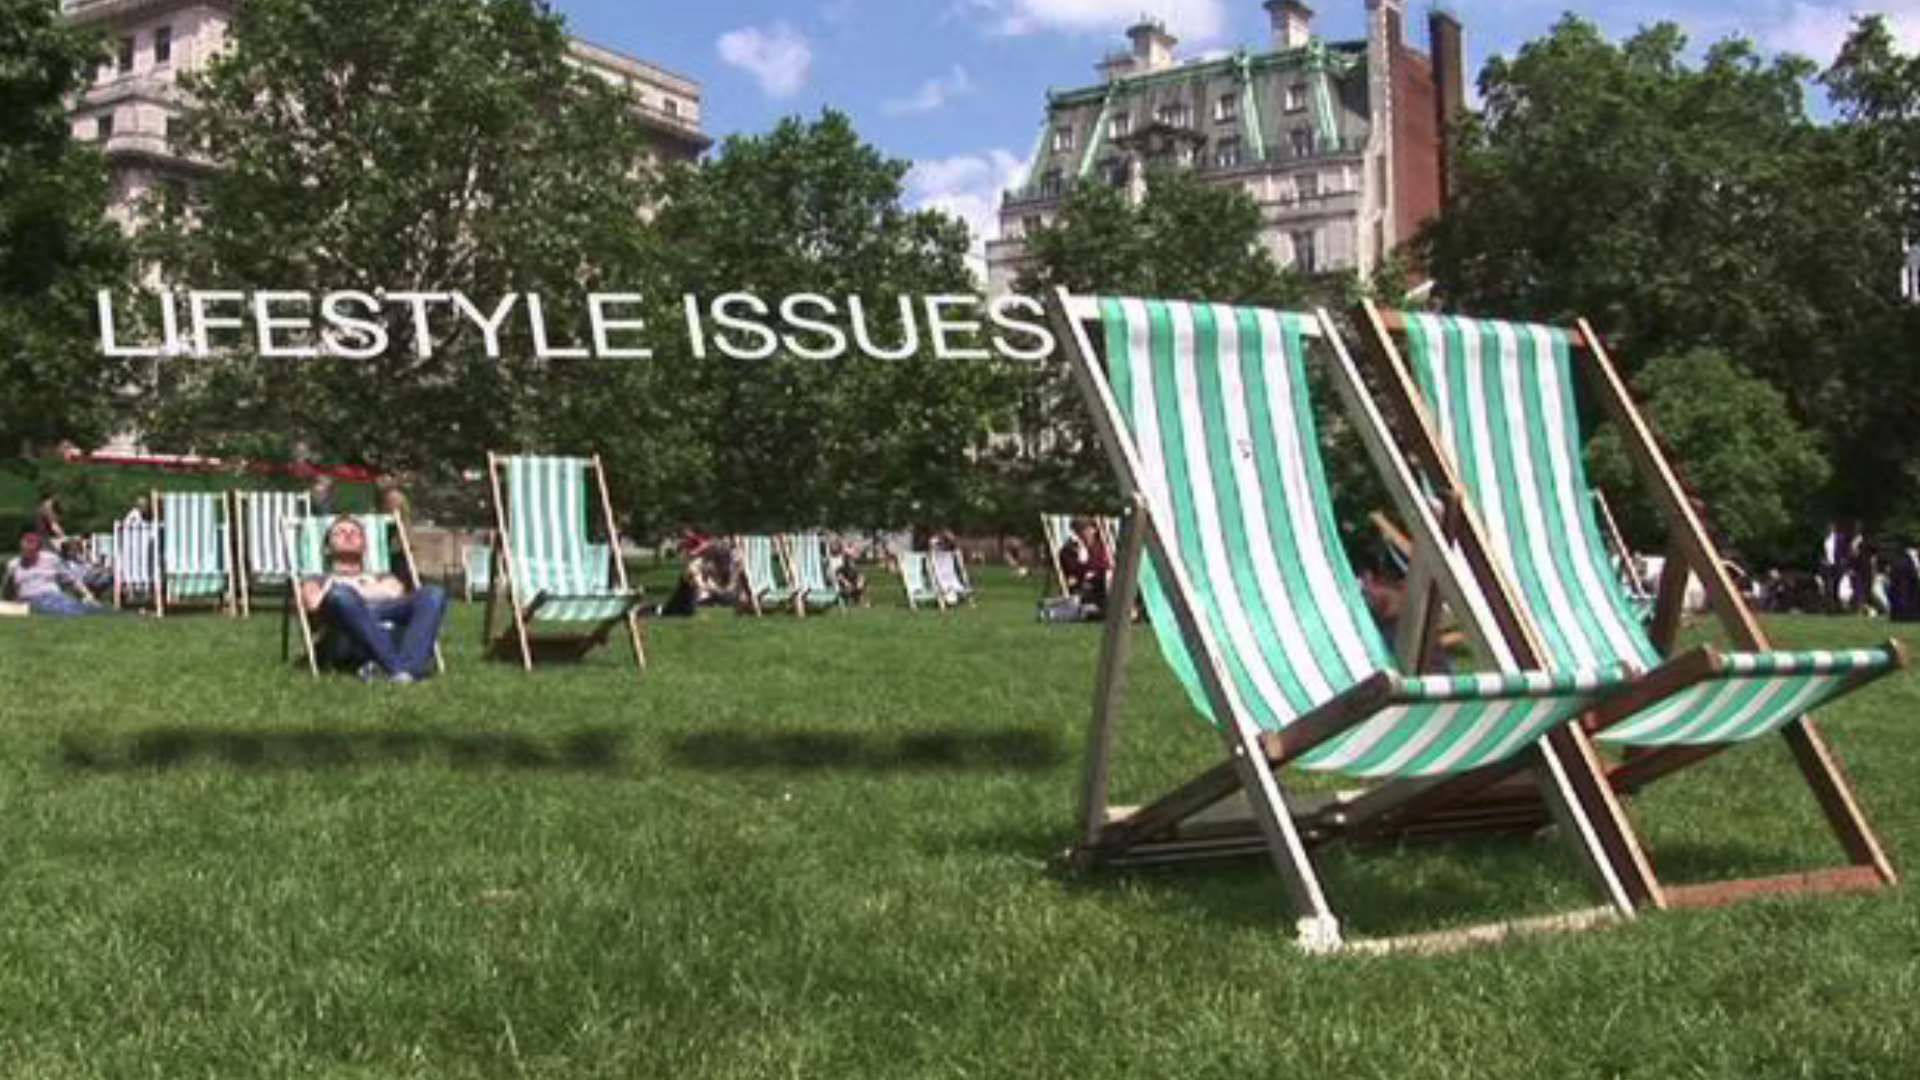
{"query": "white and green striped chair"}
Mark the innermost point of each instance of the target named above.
(476, 560)
(196, 546)
(1495, 421)
(806, 557)
(262, 548)
(136, 563)
(1205, 415)
(950, 576)
(303, 551)
(769, 584)
(916, 575)
(565, 593)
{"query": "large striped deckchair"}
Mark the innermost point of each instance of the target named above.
(769, 582)
(263, 550)
(916, 576)
(303, 543)
(806, 558)
(1204, 413)
(563, 596)
(1489, 413)
(136, 563)
(196, 550)
(477, 562)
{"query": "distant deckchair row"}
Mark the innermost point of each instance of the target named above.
(1205, 414)
(183, 558)
(787, 572)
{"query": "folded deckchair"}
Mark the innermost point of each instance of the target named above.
(196, 556)
(303, 543)
(1487, 409)
(950, 576)
(136, 562)
(563, 597)
(1204, 413)
(477, 561)
(769, 582)
(262, 548)
(916, 575)
(806, 558)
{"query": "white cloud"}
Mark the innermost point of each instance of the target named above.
(777, 55)
(1190, 20)
(932, 95)
(968, 186)
(1816, 30)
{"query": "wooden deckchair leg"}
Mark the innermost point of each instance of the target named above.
(1111, 681)
(506, 558)
(1584, 806)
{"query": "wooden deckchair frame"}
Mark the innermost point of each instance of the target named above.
(228, 597)
(296, 609)
(785, 546)
(1691, 551)
(523, 611)
(1564, 762)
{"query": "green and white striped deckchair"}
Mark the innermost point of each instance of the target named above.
(768, 584)
(950, 576)
(136, 563)
(477, 561)
(1495, 421)
(916, 574)
(1204, 411)
(196, 543)
(303, 551)
(262, 548)
(806, 556)
(565, 592)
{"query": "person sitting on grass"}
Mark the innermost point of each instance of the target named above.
(361, 607)
(712, 578)
(45, 583)
(847, 578)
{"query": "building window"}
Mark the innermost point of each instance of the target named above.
(1120, 126)
(1307, 185)
(123, 55)
(1062, 139)
(103, 127)
(1380, 181)
(1226, 153)
(163, 45)
(1297, 97)
(1306, 253)
(1031, 224)
(1050, 182)
(1226, 108)
(672, 106)
(1175, 114)
(1184, 155)
(1118, 171)
(1301, 141)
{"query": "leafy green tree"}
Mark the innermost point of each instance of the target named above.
(1737, 448)
(433, 146)
(57, 246)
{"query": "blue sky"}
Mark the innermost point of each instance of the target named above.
(957, 86)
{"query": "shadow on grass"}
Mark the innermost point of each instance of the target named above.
(1009, 749)
(586, 750)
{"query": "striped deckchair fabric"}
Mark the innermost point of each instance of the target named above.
(100, 548)
(1205, 414)
(767, 582)
(950, 576)
(916, 575)
(477, 562)
(807, 560)
(566, 590)
(195, 546)
(303, 551)
(136, 564)
(259, 515)
(1501, 395)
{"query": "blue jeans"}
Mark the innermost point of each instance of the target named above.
(60, 605)
(415, 619)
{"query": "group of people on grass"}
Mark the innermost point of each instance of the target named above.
(1858, 576)
(715, 575)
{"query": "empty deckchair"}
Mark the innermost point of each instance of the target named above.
(916, 575)
(136, 563)
(769, 582)
(562, 597)
(1204, 413)
(196, 542)
(303, 551)
(806, 558)
(263, 551)
(477, 562)
(1488, 410)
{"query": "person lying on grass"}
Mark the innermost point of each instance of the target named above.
(361, 607)
(44, 583)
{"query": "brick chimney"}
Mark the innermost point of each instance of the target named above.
(1152, 45)
(1444, 37)
(1292, 23)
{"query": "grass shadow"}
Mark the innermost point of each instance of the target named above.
(1015, 749)
(585, 750)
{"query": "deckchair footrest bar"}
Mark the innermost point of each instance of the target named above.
(1839, 879)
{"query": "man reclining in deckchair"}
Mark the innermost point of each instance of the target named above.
(361, 607)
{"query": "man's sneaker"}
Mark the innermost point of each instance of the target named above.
(369, 671)
(402, 677)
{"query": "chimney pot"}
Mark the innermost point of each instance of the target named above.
(1292, 23)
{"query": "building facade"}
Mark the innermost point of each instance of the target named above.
(1340, 143)
(129, 108)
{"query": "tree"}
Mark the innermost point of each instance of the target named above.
(1735, 444)
(435, 146)
(57, 245)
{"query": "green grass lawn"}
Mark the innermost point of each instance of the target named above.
(819, 849)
